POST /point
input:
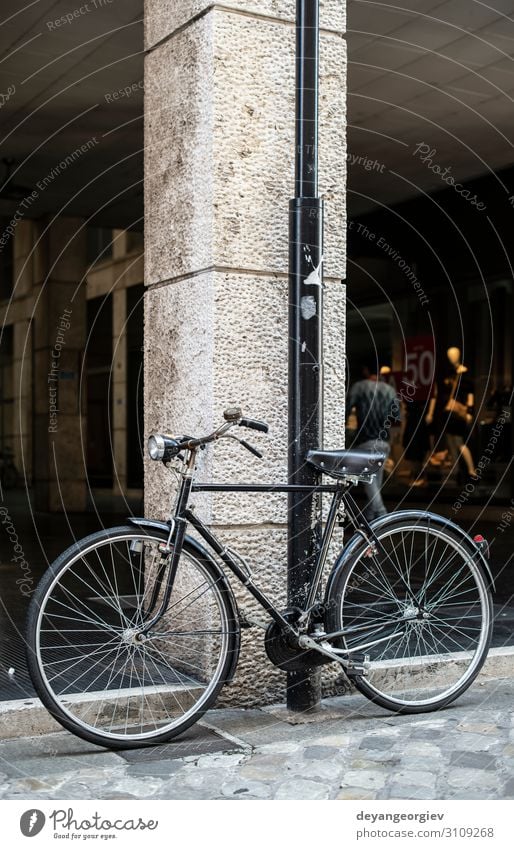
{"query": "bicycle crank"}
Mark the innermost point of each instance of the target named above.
(354, 667)
(284, 649)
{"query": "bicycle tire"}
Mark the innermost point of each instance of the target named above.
(73, 657)
(370, 591)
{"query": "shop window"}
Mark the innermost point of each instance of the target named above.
(135, 422)
(98, 368)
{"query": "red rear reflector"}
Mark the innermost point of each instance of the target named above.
(481, 544)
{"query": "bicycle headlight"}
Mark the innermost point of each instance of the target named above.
(162, 447)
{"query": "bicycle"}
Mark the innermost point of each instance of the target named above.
(133, 631)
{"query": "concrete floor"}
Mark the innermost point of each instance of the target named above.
(351, 750)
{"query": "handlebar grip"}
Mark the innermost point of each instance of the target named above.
(251, 449)
(253, 424)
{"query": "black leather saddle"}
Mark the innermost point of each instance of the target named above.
(347, 464)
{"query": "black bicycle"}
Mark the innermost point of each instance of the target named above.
(134, 630)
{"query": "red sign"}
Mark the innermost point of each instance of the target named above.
(415, 383)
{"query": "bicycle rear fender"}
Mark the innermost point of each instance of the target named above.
(441, 522)
(155, 525)
(390, 518)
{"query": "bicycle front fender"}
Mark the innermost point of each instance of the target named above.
(201, 551)
(150, 524)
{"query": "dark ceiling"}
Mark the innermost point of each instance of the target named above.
(432, 73)
(438, 72)
(61, 83)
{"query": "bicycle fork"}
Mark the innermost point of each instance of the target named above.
(171, 548)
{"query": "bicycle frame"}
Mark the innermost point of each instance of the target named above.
(184, 515)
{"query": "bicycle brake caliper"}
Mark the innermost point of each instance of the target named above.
(165, 547)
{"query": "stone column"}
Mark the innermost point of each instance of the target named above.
(19, 313)
(59, 341)
(219, 173)
(22, 396)
(119, 390)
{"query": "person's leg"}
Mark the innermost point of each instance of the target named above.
(468, 459)
(453, 441)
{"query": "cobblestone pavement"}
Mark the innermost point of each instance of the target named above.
(352, 750)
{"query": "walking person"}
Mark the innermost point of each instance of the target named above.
(376, 407)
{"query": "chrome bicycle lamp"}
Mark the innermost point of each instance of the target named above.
(161, 446)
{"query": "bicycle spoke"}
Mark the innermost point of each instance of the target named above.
(430, 580)
(106, 682)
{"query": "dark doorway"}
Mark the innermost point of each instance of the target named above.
(135, 423)
(6, 387)
(98, 368)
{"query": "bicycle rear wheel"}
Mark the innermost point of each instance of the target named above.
(419, 606)
(85, 654)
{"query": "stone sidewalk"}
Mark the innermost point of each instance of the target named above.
(351, 750)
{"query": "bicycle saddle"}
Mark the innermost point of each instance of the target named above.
(347, 464)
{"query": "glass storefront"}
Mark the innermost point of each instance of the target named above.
(430, 300)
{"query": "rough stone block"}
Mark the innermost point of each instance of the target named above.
(179, 199)
(232, 330)
(167, 15)
(219, 110)
(220, 139)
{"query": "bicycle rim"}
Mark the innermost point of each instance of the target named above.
(422, 599)
(106, 684)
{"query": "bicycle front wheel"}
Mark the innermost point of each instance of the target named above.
(419, 606)
(90, 666)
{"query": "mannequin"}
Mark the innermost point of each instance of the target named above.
(456, 387)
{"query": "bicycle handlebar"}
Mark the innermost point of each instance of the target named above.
(165, 447)
(253, 424)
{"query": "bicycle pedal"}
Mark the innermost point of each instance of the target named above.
(246, 621)
(358, 666)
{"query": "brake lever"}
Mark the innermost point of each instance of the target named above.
(245, 444)
(250, 448)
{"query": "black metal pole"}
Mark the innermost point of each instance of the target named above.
(305, 338)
